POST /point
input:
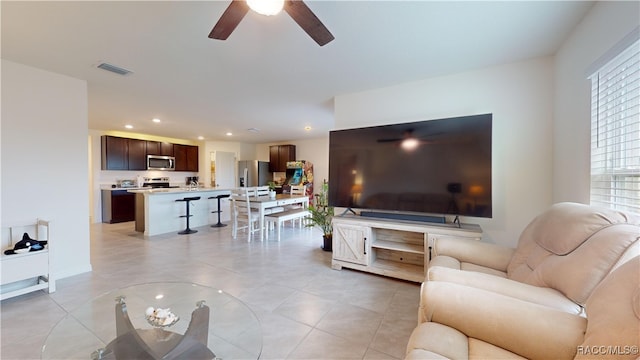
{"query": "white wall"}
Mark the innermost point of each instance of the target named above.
(520, 97)
(605, 25)
(45, 159)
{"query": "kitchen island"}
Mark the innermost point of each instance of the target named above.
(158, 212)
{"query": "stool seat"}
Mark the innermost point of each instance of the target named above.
(218, 197)
(187, 201)
(193, 198)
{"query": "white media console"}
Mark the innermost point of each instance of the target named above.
(394, 248)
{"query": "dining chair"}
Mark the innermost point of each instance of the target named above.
(264, 191)
(243, 216)
(297, 190)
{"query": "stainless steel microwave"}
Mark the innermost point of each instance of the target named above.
(159, 162)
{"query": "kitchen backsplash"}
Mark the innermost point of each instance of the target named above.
(111, 177)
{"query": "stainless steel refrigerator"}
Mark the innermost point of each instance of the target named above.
(253, 173)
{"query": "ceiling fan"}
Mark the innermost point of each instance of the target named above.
(297, 9)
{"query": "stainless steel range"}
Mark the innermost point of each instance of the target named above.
(159, 182)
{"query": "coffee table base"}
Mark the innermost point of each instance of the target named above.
(157, 343)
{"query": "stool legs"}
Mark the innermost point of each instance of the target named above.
(219, 223)
(188, 230)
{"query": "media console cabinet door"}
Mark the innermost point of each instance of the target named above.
(351, 243)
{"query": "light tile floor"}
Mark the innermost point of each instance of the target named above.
(306, 309)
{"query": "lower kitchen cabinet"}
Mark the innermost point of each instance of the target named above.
(118, 206)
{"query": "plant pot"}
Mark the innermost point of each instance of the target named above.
(272, 194)
(327, 242)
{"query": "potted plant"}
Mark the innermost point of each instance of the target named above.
(321, 215)
(272, 189)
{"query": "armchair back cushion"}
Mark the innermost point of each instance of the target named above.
(568, 235)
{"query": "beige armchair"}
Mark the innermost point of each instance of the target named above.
(562, 255)
(464, 322)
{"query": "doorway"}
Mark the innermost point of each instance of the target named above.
(223, 166)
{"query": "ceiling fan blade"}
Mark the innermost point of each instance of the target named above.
(229, 20)
(308, 21)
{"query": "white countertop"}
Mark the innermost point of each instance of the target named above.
(185, 190)
(121, 188)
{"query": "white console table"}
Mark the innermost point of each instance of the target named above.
(30, 271)
(394, 248)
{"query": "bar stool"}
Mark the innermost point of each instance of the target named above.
(187, 201)
(221, 196)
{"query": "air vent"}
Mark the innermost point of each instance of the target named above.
(114, 69)
(253, 130)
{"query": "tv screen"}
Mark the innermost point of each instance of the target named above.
(434, 167)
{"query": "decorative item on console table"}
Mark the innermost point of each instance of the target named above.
(322, 215)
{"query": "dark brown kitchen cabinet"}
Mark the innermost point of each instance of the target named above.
(279, 155)
(115, 153)
(118, 206)
(159, 148)
(123, 153)
(186, 157)
(137, 154)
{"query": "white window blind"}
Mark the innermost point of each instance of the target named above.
(615, 132)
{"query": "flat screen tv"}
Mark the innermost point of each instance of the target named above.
(429, 167)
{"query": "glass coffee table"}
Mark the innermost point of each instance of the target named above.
(132, 323)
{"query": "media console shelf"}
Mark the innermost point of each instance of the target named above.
(393, 248)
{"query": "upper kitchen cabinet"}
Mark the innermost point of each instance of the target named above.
(123, 154)
(159, 148)
(186, 157)
(279, 155)
(114, 153)
(137, 154)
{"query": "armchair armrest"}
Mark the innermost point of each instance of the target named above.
(538, 295)
(527, 329)
(476, 252)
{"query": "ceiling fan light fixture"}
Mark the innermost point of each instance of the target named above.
(410, 144)
(266, 7)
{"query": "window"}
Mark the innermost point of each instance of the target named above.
(615, 132)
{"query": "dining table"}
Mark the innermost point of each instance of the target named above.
(261, 203)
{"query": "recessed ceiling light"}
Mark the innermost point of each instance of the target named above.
(155, 120)
(229, 134)
(129, 126)
(307, 128)
(200, 137)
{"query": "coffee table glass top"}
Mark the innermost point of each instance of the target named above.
(89, 332)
